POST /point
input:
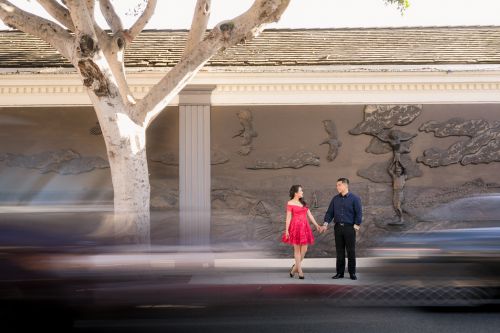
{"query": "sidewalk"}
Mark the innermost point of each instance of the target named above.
(271, 263)
(276, 278)
(276, 272)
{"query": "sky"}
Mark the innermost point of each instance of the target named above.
(177, 14)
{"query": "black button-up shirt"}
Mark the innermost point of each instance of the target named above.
(344, 209)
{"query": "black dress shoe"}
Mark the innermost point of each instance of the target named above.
(353, 276)
(338, 276)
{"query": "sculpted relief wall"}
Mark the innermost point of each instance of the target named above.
(409, 164)
(416, 167)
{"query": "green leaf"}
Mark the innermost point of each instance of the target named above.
(402, 5)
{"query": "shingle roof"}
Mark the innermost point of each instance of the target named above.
(291, 47)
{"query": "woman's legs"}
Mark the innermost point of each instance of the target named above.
(298, 259)
(299, 252)
(303, 250)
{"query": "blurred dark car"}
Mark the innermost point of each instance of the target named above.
(462, 257)
(52, 277)
(481, 208)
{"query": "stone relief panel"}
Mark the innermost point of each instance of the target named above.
(486, 154)
(378, 122)
(164, 195)
(378, 172)
(298, 160)
(64, 162)
(332, 141)
(379, 147)
(456, 126)
(255, 219)
(457, 203)
(380, 117)
(166, 158)
(481, 146)
(247, 133)
(217, 156)
(259, 217)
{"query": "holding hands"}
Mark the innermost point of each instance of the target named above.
(321, 228)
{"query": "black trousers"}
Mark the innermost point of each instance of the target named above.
(345, 239)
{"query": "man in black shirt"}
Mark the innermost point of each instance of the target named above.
(346, 213)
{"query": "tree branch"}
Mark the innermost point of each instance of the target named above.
(225, 34)
(250, 24)
(109, 13)
(59, 12)
(47, 30)
(91, 7)
(141, 22)
(198, 25)
(82, 18)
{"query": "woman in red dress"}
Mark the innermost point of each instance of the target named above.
(297, 230)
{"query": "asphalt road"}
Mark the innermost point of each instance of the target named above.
(291, 316)
(257, 310)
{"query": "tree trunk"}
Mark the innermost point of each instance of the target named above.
(129, 172)
(126, 148)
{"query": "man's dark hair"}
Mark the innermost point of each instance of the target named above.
(343, 180)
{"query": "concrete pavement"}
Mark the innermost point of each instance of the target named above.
(275, 271)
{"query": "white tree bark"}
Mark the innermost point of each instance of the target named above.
(113, 20)
(59, 12)
(198, 25)
(141, 22)
(228, 33)
(99, 59)
(50, 32)
(126, 149)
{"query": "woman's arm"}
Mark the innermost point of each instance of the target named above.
(311, 217)
(287, 221)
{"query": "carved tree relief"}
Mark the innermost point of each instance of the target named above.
(481, 146)
(378, 122)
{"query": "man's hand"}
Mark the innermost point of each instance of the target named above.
(356, 227)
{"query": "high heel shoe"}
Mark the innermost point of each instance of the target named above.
(291, 271)
(302, 277)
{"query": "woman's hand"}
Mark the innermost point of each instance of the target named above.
(287, 234)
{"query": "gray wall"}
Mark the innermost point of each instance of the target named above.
(244, 199)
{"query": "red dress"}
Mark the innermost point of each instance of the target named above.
(300, 232)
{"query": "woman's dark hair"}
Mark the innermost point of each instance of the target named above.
(294, 189)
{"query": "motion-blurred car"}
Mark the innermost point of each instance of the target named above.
(482, 208)
(52, 276)
(446, 257)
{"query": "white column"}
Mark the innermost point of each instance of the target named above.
(194, 165)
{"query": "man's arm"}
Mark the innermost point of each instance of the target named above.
(358, 211)
(329, 214)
